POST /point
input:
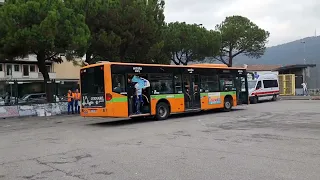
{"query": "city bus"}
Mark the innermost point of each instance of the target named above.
(173, 89)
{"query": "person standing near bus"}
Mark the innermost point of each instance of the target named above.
(70, 101)
(138, 97)
(77, 98)
(131, 93)
(305, 89)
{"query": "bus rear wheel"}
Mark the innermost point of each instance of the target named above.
(162, 111)
(227, 105)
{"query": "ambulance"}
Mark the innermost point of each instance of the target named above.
(264, 88)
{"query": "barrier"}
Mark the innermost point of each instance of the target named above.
(51, 109)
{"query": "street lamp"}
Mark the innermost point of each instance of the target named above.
(304, 72)
(304, 52)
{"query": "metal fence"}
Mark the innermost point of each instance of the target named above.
(287, 84)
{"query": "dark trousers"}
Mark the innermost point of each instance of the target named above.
(70, 106)
(76, 106)
(138, 103)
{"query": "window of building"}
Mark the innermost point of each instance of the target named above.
(25, 69)
(32, 68)
(209, 83)
(118, 83)
(48, 68)
(16, 68)
(178, 84)
(1, 67)
(270, 83)
(9, 69)
(161, 83)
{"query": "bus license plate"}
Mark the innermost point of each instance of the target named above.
(93, 110)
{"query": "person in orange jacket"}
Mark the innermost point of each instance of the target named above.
(77, 99)
(70, 101)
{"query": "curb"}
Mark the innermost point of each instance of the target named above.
(293, 98)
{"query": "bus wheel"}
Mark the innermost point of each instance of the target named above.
(227, 104)
(162, 111)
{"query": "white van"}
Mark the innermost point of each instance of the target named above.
(266, 87)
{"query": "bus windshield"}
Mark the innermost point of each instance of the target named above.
(92, 86)
(252, 84)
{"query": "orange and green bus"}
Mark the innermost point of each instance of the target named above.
(173, 89)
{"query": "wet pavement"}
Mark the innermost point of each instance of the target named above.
(271, 140)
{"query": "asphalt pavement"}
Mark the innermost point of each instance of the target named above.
(271, 140)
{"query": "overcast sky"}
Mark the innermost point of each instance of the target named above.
(286, 20)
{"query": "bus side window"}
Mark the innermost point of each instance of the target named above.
(161, 83)
(227, 83)
(118, 83)
(178, 84)
(209, 84)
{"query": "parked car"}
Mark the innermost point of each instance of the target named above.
(36, 98)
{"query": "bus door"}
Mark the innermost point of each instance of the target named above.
(145, 103)
(242, 89)
(191, 91)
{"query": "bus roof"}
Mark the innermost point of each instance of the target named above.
(207, 65)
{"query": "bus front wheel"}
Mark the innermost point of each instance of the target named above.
(163, 111)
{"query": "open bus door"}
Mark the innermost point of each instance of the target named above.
(145, 104)
(242, 88)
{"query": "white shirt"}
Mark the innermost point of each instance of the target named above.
(138, 89)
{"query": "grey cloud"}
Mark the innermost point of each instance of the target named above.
(286, 19)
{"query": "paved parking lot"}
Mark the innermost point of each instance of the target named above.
(273, 140)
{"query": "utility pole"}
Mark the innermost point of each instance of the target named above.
(304, 52)
(304, 62)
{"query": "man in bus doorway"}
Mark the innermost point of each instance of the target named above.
(70, 101)
(138, 97)
(77, 98)
(131, 92)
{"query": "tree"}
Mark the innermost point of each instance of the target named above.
(46, 28)
(240, 36)
(123, 30)
(189, 42)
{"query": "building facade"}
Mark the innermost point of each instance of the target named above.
(25, 73)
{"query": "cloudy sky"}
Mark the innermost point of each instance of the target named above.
(286, 20)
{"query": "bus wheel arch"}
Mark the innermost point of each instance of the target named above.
(227, 103)
(163, 109)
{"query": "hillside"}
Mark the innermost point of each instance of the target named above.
(289, 53)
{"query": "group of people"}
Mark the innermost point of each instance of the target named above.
(135, 93)
(74, 99)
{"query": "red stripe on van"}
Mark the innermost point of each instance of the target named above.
(265, 93)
